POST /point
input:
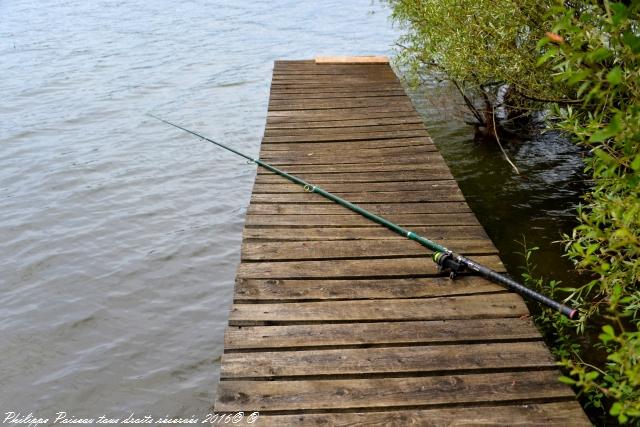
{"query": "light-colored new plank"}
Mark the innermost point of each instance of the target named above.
(352, 59)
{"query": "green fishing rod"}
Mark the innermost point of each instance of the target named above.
(446, 259)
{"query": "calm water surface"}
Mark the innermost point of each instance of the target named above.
(120, 236)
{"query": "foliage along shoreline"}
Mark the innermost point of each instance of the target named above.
(580, 62)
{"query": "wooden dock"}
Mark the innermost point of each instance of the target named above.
(338, 321)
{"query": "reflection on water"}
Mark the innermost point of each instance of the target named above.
(120, 236)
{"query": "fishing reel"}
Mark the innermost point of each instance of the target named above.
(448, 264)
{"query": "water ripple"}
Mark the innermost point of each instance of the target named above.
(120, 236)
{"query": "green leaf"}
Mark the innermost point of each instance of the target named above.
(632, 41)
(615, 408)
(601, 135)
(542, 42)
(578, 76)
(620, 12)
(566, 380)
(599, 55)
(615, 76)
(590, 376)
(547, 55)
(608, 329)
(635, 165)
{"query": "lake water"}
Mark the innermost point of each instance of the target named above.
(119, 235)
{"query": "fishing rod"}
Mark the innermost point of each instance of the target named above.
(447, 260)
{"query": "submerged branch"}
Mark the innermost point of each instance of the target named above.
(495, 132)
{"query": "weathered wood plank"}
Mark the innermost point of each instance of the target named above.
(332, 85)
(351, 268)
(456, 307)
(348, 146)
(390, 147)
(319, 179)
(526, 415)
(345, 130)
(401, 119)
(337, 72)
(355, 147)
(379, 333)
(360, 164)
(432, 195)
(320, 104)
(356, 220)
(351, 249)
(360, 167)
(344, 113)
(340, 115)
(388, 392)
(385, 209)
(285, 95)
(271, 290)
(397, 186)
(353, 136)
(440, 234)
(387, 360)
(303, 153)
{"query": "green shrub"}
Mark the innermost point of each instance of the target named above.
(579, 60)
(599, 61)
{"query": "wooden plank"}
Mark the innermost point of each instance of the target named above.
(353, 152)
(351, 249)
(331, 83)
(351, 268)
(385, 209)
(355, 177)
(559, 414)
(340, 87)
(441, 234)
(352, 59)
(388, 392)
(272, 290)
(321, 104)
(387, 360)
(349, 146)
(353, 136)
(346, 113)
(397, 186)
(389, 166)
(379, 333)
(337, 72)
(360, 163)
(286, 95)
(350, 153)
(356, 220)
(334, 70)
(432, 195)
(279, 124)
(455, 307)
(345, 130)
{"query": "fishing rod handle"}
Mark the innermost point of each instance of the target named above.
(496, 277)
